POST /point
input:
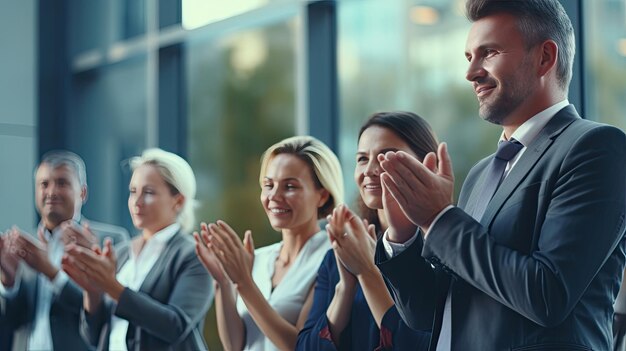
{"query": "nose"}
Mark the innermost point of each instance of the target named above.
(273, 193)
(136, 199)
(51, 190)
(373, 168)
(475, 71)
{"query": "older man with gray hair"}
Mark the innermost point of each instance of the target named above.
(39, 304)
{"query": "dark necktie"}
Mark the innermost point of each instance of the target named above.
(494, 174)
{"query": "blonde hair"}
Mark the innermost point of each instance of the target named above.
(178, 175)
(326, 169)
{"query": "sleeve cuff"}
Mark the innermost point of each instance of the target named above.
(437, 219)
(394, 249)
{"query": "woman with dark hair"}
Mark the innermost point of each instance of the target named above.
(350, 309)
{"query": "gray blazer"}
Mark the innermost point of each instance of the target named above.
(541, 270)
(17, 314)
(167, 313)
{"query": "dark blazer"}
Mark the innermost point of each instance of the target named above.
(361, 333)
(543, 267)
(167, 313)
(18, 313)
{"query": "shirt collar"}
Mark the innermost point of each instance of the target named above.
(529, 130)
(165, 234)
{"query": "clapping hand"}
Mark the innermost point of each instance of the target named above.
(9, 261)
(355, 246)
(421, 189)
(237, 258)
(34, 253)
(74, 233)
(93, 269)
(207, 256)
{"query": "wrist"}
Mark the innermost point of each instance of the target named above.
(245, 284)
(399, 236)
(6, 280)
(115, 291)
(50, 272)
(344, 288)
(371, 272)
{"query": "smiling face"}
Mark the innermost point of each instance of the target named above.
(290, 195)
(501, 67)
(151, 203)
(374, 141)
(58, 194)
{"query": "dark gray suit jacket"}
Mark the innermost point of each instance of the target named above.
(18, 313)
(167, 313)
(543, 267)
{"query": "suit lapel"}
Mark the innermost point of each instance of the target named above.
(529, 158)
(159, 266)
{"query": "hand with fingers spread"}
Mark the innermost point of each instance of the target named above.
(94, 269)
(207, 256)
(237, 258)
(34, 253)
(421, 189)
(81, 235)
(9, 261)
(356, 246)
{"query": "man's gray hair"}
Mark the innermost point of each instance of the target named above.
(58, 158)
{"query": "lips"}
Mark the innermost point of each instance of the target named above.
(372, 187)
(279, 211)
(481, 91)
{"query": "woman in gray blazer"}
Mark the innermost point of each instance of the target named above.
(151, 293)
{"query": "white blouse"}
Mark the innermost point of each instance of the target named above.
(133, 274)
(288, 296)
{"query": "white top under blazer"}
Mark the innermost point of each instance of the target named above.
(288, 296)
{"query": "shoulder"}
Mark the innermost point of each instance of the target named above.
(589, 136)
(104, 230)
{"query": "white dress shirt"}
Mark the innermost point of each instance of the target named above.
(133, 274)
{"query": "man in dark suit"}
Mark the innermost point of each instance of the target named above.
(39, 304)
(532, 255)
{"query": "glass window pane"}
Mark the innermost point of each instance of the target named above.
(241, 100)
(107, 124)
(409, 55)
(197, 13)
(605, 61)
(96, 24)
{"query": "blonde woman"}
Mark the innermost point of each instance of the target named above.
(263, 296)
(150, 294)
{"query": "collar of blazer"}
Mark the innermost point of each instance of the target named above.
(534, 152)
(172, 246)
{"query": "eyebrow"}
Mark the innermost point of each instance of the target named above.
(382, 151)
(284, 180)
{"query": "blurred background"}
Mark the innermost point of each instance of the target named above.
(219, 81)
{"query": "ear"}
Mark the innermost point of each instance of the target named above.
(325, 195)
(83, 194)
(179, 202)
(549, 55)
